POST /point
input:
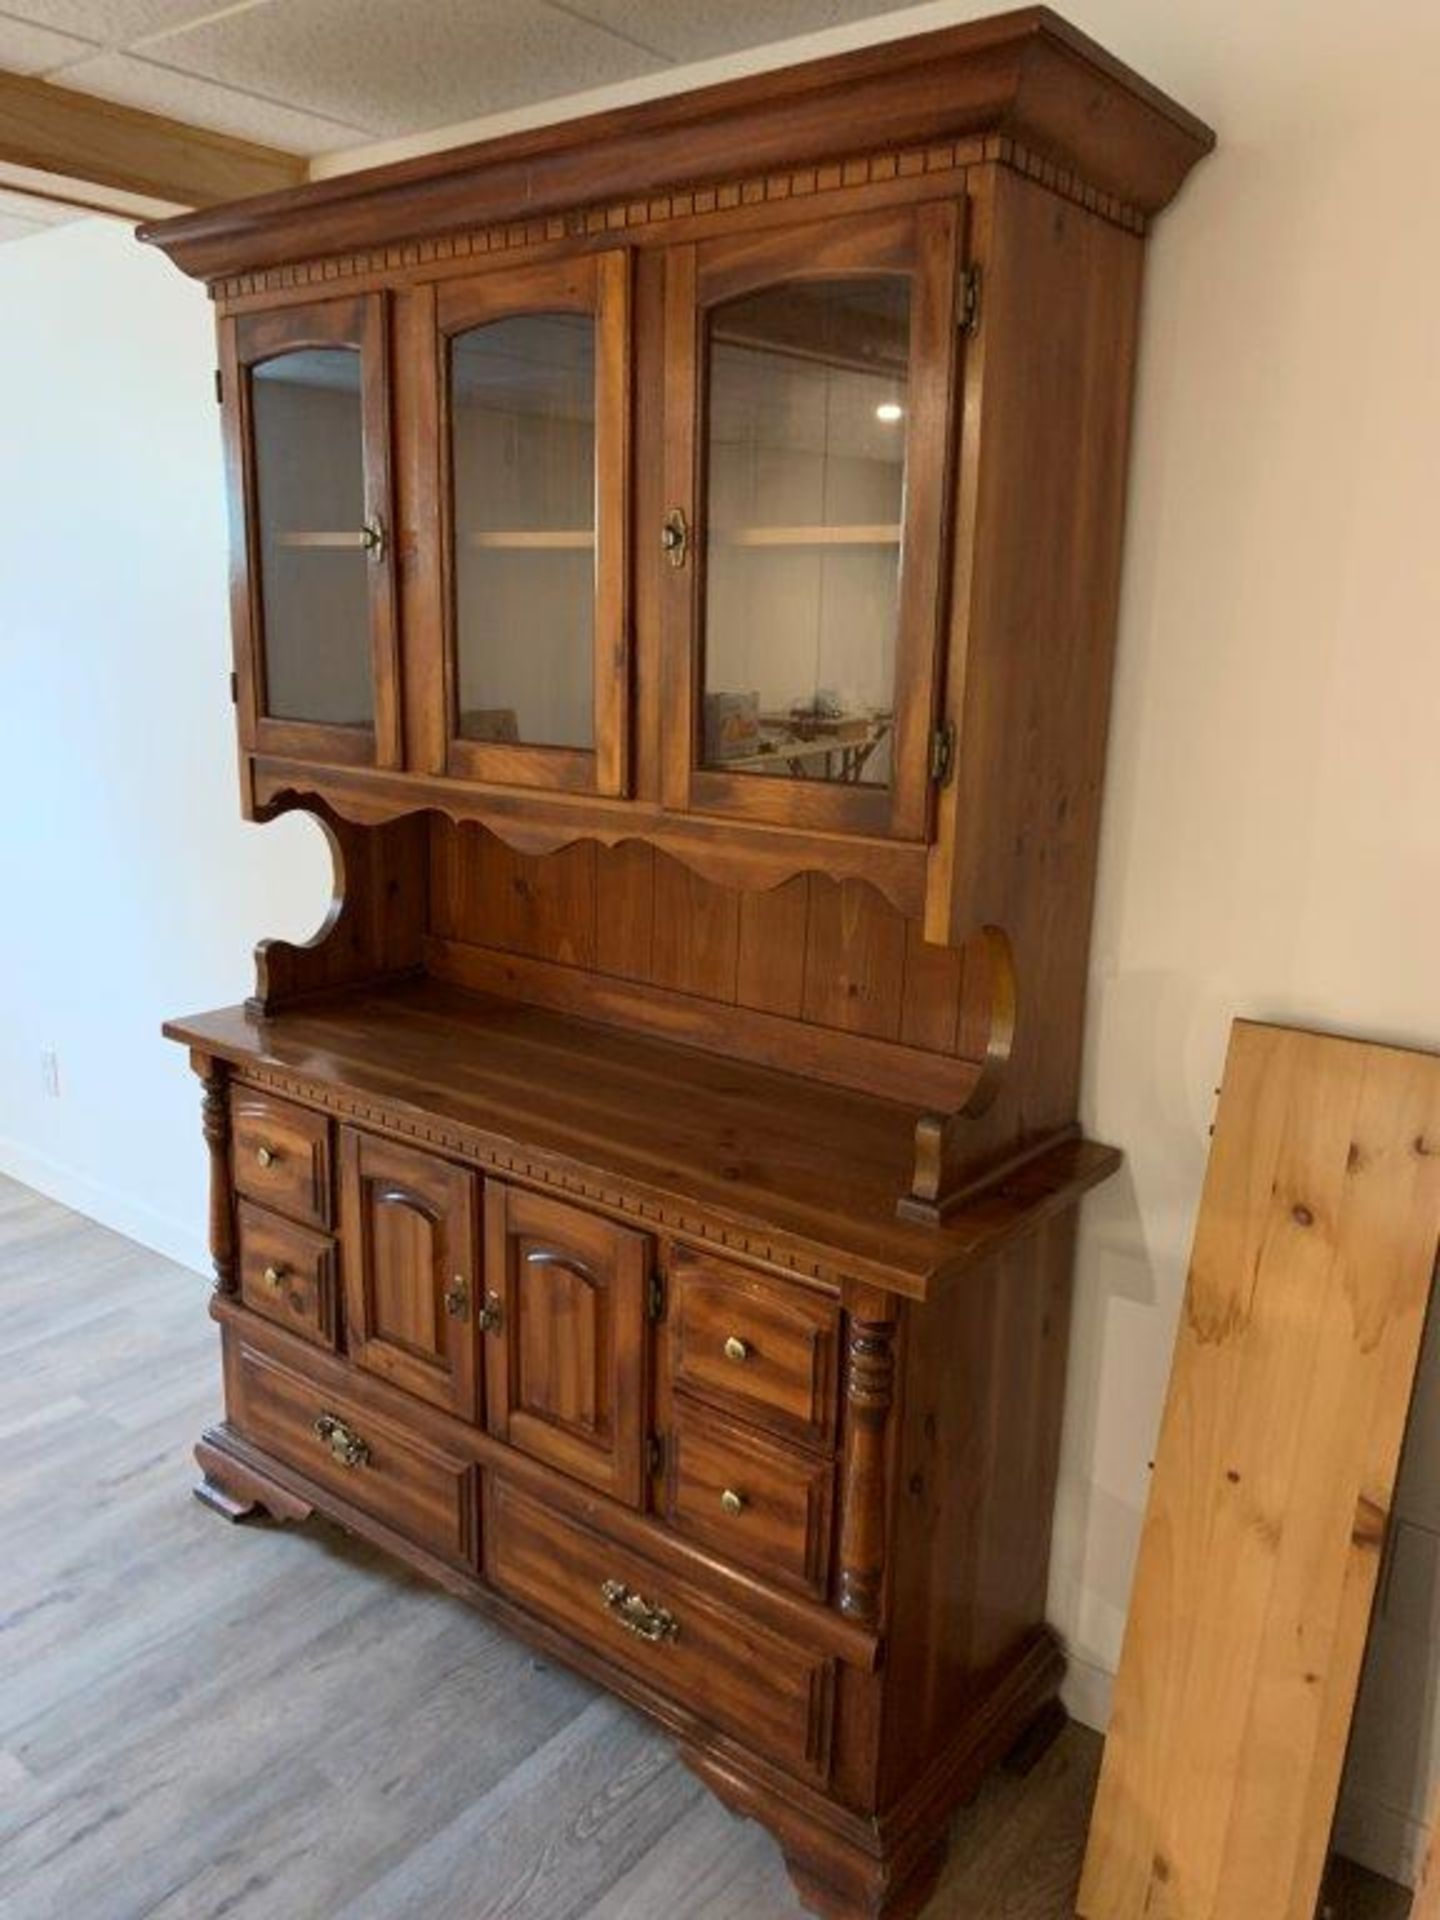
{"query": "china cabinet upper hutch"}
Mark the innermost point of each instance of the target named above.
(675, 557)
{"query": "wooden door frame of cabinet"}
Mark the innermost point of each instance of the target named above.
(507, 1210)
(590, 283)
(362, 322)
(924, 242)
(460, 1222)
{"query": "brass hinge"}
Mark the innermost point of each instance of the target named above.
(219, 387)
(655, 1297)
(654, 1454)
(942, 753)
(970, 300)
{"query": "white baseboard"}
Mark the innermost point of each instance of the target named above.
(1380, 1837)
(1086, 1690)
(81, 1194)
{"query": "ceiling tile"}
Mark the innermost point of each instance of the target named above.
(29, 49)
(114, 22)
(393, 69)
(696, 32)
(140, 83)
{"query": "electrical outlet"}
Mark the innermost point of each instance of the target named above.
(50, 1072)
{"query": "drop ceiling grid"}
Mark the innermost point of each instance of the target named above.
(316, 76)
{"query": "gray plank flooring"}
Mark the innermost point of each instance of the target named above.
(200, 1721)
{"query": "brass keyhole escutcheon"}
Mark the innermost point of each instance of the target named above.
(267, 1156)
(344, 1443)
(732, 1502)
(273, 1276)
(675, 536)
(737, 1350)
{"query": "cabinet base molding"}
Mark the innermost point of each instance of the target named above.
(236, 1489)
(886, 1867)
(876, 1896)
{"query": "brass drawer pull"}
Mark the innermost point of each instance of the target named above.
(267, 1156)
(273, 1276)
(637, 1615)
(346, 1445)
(733, 1502)
(737, 1350)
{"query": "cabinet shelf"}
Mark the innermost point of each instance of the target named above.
(582, 539)
(859, 535)
(321, 542)
(534, 540)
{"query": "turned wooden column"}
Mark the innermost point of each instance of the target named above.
(869, 1399)
(215, 1119)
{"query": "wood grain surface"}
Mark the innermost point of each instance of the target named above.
(1309, 1283)
(808, 1173)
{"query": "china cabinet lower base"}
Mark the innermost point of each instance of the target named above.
(845, 1864)
(665, 1388)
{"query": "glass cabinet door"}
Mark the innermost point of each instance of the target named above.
(533, 379)
(807, 519)
(316, 602)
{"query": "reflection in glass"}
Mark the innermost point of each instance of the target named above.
(522, 437)
(310, 495)
(807, 410)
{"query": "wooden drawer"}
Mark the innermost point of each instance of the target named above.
(755, 1346)
(288, 1273)
(759, 1505)
(408, 1482)
(280, 1155)
(769, 1694)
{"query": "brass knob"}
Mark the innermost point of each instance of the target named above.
(457, 1298)
(267, 1156)
(733, 1502)
(737, 1350)
(272, 1276)
(491, 1316)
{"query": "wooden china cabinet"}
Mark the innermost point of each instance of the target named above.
(676, 558)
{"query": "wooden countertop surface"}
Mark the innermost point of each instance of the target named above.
(718, 1151)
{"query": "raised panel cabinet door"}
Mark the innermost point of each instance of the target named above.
(409, 1251)
(531, 389)
(565, 1364)
(313, 606)
(809, 406)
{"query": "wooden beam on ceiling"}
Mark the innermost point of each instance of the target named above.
(122, 150)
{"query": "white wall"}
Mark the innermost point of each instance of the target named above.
(1272, 833)
(129, 888)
